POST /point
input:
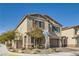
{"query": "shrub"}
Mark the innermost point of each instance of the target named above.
(52, 49)
(35, 51)
(23, 48)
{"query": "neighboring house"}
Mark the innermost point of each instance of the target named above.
(44, 22)
(70, 36)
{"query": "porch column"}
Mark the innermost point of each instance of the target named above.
(60, 38)
(46, 33)
(12, 43)
(8, 41)
(60, 43)
(5, 42)
(47, 42)
(28, 42)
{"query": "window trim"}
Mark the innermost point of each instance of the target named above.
(40, 24)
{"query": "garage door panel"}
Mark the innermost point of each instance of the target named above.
(54, 43)
(77, 42)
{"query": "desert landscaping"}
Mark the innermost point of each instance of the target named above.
(42, 52)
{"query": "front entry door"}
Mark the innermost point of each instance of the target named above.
(18, 44)
(64, 42)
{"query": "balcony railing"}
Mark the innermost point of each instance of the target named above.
(77, 35)
(54, 35)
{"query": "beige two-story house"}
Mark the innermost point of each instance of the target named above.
(71, 36)
(46, 23)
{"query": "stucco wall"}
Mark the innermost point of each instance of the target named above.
(27, 26)
(23, 27)
(55, 24)
(70, 34)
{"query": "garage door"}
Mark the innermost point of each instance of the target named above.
(77, 42)
(54, 43)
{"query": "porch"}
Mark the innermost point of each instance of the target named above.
(39, 43)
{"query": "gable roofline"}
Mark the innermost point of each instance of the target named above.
(66, 28)
(21, 21)
(53, 20)
(44, 16)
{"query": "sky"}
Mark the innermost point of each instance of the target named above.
(12, 14)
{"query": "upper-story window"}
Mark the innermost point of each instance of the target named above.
(50, 27)
(57, 29)
(76, 31)
(40, 24)
(53, 28)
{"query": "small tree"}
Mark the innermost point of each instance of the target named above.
(36, 33)
(7, 36)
